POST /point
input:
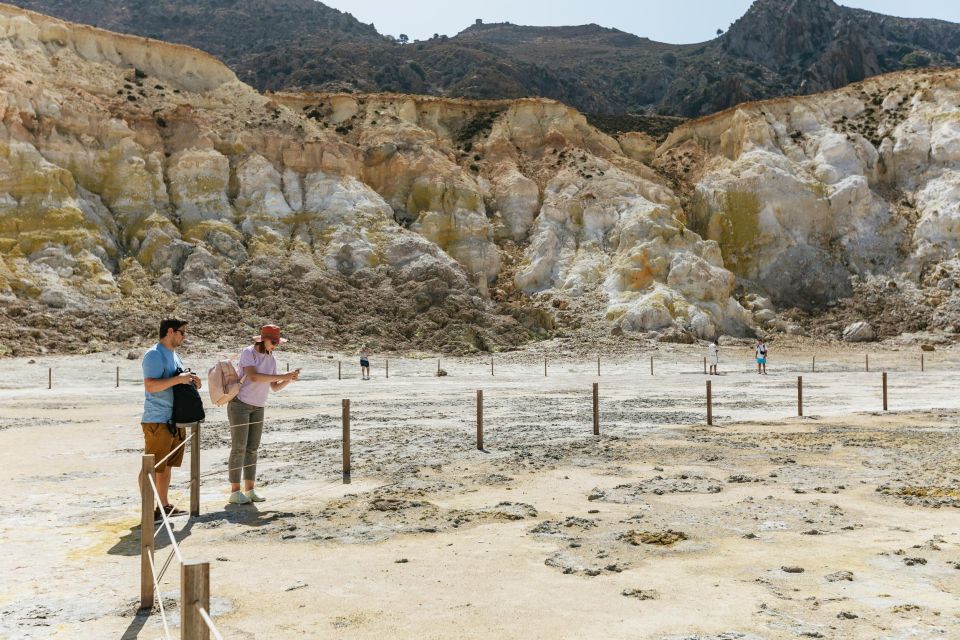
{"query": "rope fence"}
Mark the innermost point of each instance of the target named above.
(210, 626)
(196, 621)
(163, 517)
(156, 585)
(424, 367)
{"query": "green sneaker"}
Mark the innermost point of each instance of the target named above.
(238, 497)
(252, 496)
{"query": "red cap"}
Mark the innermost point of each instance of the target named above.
(270, 332)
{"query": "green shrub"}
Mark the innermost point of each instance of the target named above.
(915, 59)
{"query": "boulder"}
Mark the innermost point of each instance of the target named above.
(764, 316)
(858, 332)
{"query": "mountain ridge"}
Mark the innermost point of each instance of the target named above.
(778, 47)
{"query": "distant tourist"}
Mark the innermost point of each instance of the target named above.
(761, 357)
(713, 355)
(364, 363)
(160, 435)
(258, 371)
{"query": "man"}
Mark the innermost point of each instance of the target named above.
(160, 436)
(713, 355)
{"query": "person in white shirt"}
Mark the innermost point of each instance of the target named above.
(258, 369)
(713, 356)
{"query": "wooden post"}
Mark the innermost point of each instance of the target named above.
(596, 408)
(388, 367)
(146, 531)
(491, 366)
(480, 419)
(544, 366)
(195, 470)
(921, 362)
(709, 405)
(651, 365)
(438, 366)
(288, 367)
(346, 438)
(866, 357)
(194, 593)
(704, 366)
(800, 396)
(884, 390)
(814, 367)
(49, 378)
(339, 377)
(118, 377)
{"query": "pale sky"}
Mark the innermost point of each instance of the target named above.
(675, 21)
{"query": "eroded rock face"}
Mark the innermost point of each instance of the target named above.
(137, 176)
(803, 193)
(621, 233)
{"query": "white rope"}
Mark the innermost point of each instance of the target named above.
(165, 565)
(156, 531)
(163, 516)
(244, 424)
(158, 596)
(217, 472)
(175, 449)
(247, 424)
(206, 618)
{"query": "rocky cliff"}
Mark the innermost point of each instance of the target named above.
(815, 199)
(140, 178)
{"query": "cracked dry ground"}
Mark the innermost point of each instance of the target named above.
(842, 526)
(811, 520)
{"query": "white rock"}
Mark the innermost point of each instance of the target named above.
(858, 332)
(198, 185)
(764, 316)
(261, 200)
(518, 199)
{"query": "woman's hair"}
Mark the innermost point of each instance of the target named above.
(259, 347)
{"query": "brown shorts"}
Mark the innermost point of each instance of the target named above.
(158, 440)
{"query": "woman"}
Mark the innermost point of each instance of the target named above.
(258, 371)
(364, 363)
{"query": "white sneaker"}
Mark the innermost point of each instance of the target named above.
(252, 496)
(238, 497)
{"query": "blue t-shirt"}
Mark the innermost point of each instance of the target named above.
(159, 363)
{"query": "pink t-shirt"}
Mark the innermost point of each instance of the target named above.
(255, 393)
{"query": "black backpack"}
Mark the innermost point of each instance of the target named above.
(187, 404)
